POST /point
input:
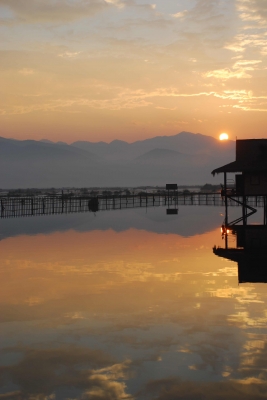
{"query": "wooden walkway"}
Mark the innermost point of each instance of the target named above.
(49, 205)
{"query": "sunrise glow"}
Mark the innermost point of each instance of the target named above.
(57, 86)
(224, 136)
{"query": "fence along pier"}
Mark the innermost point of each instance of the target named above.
(49, 205)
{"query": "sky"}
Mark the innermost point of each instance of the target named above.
(132, 69)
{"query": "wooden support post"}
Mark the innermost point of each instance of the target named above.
(226, 239)
(265, 209)
(264, 213)
(225, 199)
(244, 209)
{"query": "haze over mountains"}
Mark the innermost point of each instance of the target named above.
(185, 158)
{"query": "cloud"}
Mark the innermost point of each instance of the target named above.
(26, 71)
(69, 54)
(117, 3)
(120, 98)
(245, 41)
(253, 10)
(226, 73)
(56, 10)
(180, 14)
(239, 71)
(252, 27)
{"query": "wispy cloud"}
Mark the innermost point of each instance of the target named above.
(253, 10)
(56, 10)
(130, 99)
(26, 71)
(69, 54)
(239, 70)
(180, 14)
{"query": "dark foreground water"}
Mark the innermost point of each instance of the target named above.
(127, 305)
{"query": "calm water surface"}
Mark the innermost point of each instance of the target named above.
(127, 305)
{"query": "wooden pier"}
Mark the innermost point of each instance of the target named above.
(49, 205)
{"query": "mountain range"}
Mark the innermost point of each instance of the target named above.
(185, 158)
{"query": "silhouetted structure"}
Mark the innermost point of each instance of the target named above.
(23, 206)
(172, 189)
(250, 252)
(47, 205)
(251, 182)
(251, 162)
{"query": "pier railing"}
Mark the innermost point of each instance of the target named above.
(49, 205)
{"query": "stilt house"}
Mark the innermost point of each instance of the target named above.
(250, 167)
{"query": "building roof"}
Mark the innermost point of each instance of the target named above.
(236, 166)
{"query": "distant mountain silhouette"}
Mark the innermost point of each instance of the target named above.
(33, 148)
(159, 154)
(183, 142)
(46, 141)
(185, 158)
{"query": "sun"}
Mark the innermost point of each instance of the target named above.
(224, 136)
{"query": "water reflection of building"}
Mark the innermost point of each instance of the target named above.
(251, 240)
(250, 252)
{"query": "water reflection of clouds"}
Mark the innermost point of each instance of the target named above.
(82, 372)
(105, 314)
(175, 388)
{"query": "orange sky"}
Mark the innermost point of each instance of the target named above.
(119, 69)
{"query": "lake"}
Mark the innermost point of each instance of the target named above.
(129, 304)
